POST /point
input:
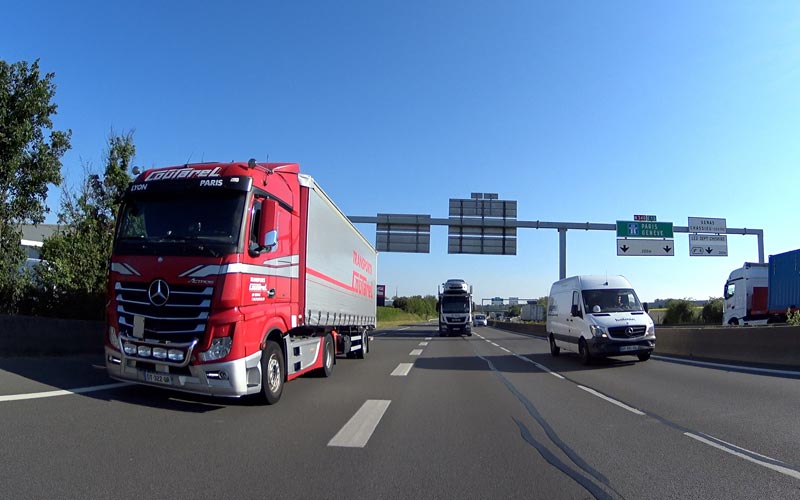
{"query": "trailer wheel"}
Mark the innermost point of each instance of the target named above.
(733, 322)
(362, 353)
(272, 373)
(327, 357)
(554, 349)
(583, 352)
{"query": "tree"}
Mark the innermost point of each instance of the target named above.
(77, 256)
(29, 162)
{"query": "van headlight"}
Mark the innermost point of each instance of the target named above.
(651, 331)
(598, 331)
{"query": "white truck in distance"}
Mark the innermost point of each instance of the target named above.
(455, 308)
(745, 295)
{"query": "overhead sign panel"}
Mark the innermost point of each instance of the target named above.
(482, 225)
(403, 233)
(708, 245)
(707, 225)
(646, 248)
(639, 229)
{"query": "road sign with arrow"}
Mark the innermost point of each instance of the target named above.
(648, 248)
(708, 245)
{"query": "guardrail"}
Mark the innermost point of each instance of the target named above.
(765, 345)
(35, 336)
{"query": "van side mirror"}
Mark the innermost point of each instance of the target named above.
(268, 226)
(576, 310)
(646, 307)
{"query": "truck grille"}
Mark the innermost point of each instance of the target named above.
(181, 319)
(626, 332)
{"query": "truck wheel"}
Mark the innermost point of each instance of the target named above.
(327, 357)
(583, 352)
(643, 356)
(554, 349)
(733, 322)
(272, 373)
(361, 353)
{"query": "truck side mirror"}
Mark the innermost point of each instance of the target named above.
(646, 307)
(576, 310)
(268, 226)
(437, 306)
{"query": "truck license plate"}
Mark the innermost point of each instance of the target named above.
(629, 348)
(157, 378)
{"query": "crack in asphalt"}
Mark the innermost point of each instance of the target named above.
(576, 476)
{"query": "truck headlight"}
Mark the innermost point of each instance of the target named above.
(598, 331)
(113, 339)
(220, 347)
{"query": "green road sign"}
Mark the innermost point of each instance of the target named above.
(639, 229)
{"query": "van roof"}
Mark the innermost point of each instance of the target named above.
(594, 282)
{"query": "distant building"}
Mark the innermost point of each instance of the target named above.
(32, 239)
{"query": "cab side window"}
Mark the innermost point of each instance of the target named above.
(255, 219)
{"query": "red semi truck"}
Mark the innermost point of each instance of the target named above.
(231, 279)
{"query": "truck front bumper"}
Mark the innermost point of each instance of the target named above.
(228, 379)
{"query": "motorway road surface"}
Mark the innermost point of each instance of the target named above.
(492, 416)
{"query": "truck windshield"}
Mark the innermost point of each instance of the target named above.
(460, 305)
(180, 224)
(612, 300)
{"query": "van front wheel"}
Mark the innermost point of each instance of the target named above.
(643, 356)
(554, 349)
(583, 352)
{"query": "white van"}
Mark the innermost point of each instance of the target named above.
(598, 316)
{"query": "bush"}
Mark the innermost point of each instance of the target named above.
(679, 312)
(712, 311)
(793, 318)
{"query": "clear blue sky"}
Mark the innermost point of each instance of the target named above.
(581, 111)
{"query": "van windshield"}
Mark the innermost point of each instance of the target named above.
(610, 300)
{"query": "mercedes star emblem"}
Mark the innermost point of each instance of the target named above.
(158, 292)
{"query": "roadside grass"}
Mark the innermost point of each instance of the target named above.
(390, 316)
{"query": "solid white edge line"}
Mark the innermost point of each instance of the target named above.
(64, 392)
(402, 369)
(428, 338)
(504, 349)
(423, 343)
(777, 468)
(404, 328)
(415, 352)
(722, 365)
(357, 431)
(612, 400)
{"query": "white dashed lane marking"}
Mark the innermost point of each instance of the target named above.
(415, 352)
(612, 400)
(357, 431)
(402, 369)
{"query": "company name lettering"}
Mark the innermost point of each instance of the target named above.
(361, 262)
(182, 173)
(362, 286)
